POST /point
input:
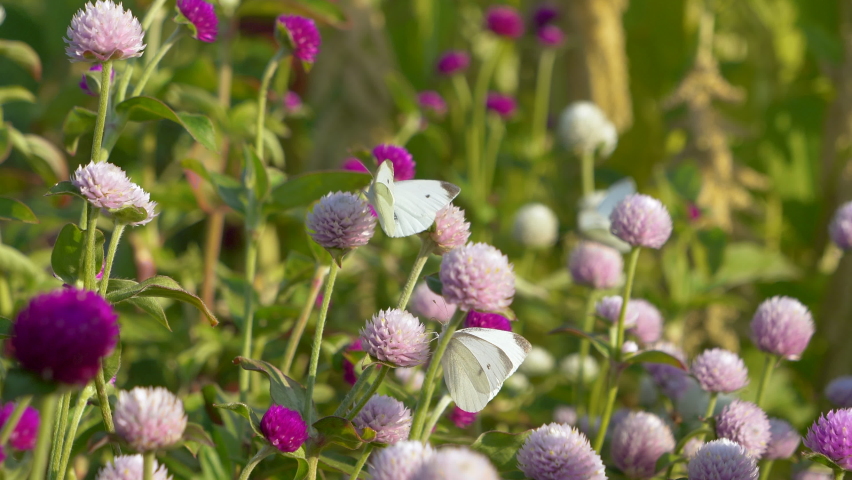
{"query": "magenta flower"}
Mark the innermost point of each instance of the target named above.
(595, 265)
(559, 452)
(341, 221)
(839, 391)
(284, 428)
(461, 418)
(149, 419)
(831, 435)
(544, 14)
(402, 161)
(638, 442)
(841, 226)
(782, 326)
(432, 102)
(304, 37)
(719, 371)
(400, 461)
(477, 276)
(352, 164)
(649, 321)
(500, 104)
(744, 423)
(641, 221)
(453, 62)
(450, 230)
(550, 36)
(722, 460)
(396, 336)
(94, 90)
(349, 369)
(610, 309)
(783, 441)
(293, 104)
(103, 31)
(387, 416)
(202, 19)
(427, 304)
(456, 462)
(24, 434)
(496, 321)
(504, 21)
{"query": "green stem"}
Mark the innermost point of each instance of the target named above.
(597, 390)
(542, 98)
(839, 473)
(489, 164)
(477, 124)
(442, 405)
(61, 424)
(426, 247)
(380, 377)
(625, 300)
(587, 170)
(299, 328)
(317, 345)
(588, 326)
(313, 460)
(151, 15)
(766, 469)
(264, 452)
(361, 461)
(103, 102)
(152, 65)
(48, 412)
(268, 73)
(113, 246)
(409, 128)
(768, 365)
(106, 411)
(248, 311)
(79, 409)
(711, 407)
(89, 274)
(612, 394)
(355, 391)
(121, 90)
(148, 465)
(462, 90)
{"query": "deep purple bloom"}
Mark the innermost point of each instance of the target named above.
(402, 161)
(432, 102)
(722, 460)
(26, 431)
(349, 369)
(500, 104)
(744, 423)
(352, 164)
(782, 326)
(504, 21)
(496, 321)
(304, 36)
(550, 36)
(461, 418)
(284, 428)
(544, 14)
(453, 62)
(831, 435)
(93, 89)
(202, 18)
(783, 441)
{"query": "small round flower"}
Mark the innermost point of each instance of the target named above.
(783, 440)
(387, 416)
(559, 452)
(692, 447)
(496, 321)
(107, 187)
(536, 226)
(396, 336)
(570, 366)
(453, 62)
(24, 435)
(831, 435)
(304, 37)
(399, 461)
(429, 305)
(744, 423)
(782, 326)
(139, 198)
(641, 221)
(638, 442)
(411, 378)
(565, 414)
(610, 309)
(402, 161)
(149, 418)
(502, 105)
(672, 381)
(719, 371)
(596, 265)
(452, 463)
(341, 220)
(722, 460)
(461, 418)
(584, 130)
(432, 102)
(94, 88)
(839, 391)
(815, 472)
(293, 104)
(202, 18)
(349, 369)
(129, 467)
(504, 21)
(477, 276)
(352, 164)
(649, 321)
(450, 229)
(63, 335)
(550, 36)
(538, 362)
(544, 14)
(629, 347)
(284, 428)
(103, 31)
(840, 228)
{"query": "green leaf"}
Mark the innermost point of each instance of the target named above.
(325, 11)
(667, 459)
(16, 93)
(746, 263)
(23, 55)
(342, 432)
(434, 283)
(47, 160)
(338, 462)
(11, 209)
(196, 433)
(145, 109)
(162, 287)
(714, 240)
(19, 383)
(823, 460)
(403, 94)
(244, 411)
(5, 327)
(599, 344)
(654, 356)
(150, 306)
(113, 362)
(5, 143)
(283, 389)
(686, 180)
(64, 188)
(500, 447)
(78, 122)
(255, 169)
(129, 214)
(302, 190)
(15, 263)
(69, 252)
(231, 192)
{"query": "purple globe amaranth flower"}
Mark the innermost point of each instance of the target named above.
(504, 21)
(783, 440)
(782, 326)
(201, 16)
(649, 321)
(453, 62)
(399, 461)
(840, 228)
(304, 37)
(477, 276)
(559, 452)
(103, 31)
(107, 187)
(641, 221)
(502, 105)
(550, 36)
(432, 102)
(839, 391)
(130, 467)
(544, 14)
(565, 414)
(672, 381)
(461, 418)
(63, 335)
(584, 129)
(284, 428)
(596, 265)
(722, 460)
(427, 304)
(610, 309)
(402, 161)
(149, 419)
(94, 88)
(496, 321)
(387, 416)
(719, 371)
(293, 104)
(349, 369)
(341, 221)
(638, 442)
(352, 164)
(396, 336)
(24, 434)
(831, 435)
(744, 423)
(456, 462)
(450, 229)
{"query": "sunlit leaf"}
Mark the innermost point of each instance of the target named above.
(145, 109)
(302, 190)
(11, 209)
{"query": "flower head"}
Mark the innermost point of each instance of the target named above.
(565, 414)
(129, 467)
(63, 335)
(94, 88)
(396, 336)
(559, 452)
(284, 428)
(544, 14)
(831, 435)
(840, 228)
(722, 460)
(201, 17)
(596, 265)
(610, 309)
(24, 435)
(638, 441)
(502, 105)
(461, 418)
(402, 161)
(399, 461)
(293, 104)
(692, 446)
(349, 369)
(450, 229)
(538, 362)
(477, 276)
(103, 31)
(584, 130)
(815, 472)
(352, 164)
(410, 377)
(341, 220)
(107, 187)
(453, 62)
(451, 463)
(782, 326)
(744, 423)
(387, 416)
(839, 391)
(719, 371)
(432, 102)
(304, 37)
(427, 304)
(504, 21)
(641, 221)
(672, 381)
(536, 226)
(783, 440)
(496, 321)
(550, 36)
(149, 419)
(570, 366)
(649, 321)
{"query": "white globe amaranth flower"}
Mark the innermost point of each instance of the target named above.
(149, 419)
(538, 362)
(106, 186)
(570, 366)
(584, 128)
(399, 461)
(129, 467)
(536, 226)
(104, 31)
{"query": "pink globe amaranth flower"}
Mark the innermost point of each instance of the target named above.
(94, 90)
(559, 452)
(672, 381)
(349, 369)
(149, 419)
(63, 335)
(500, 104)
(610, 309)
(402, 161)
(638, 442)
(783, 440)
(504, 21)
(432, 102)
(304, 36)
(744, 423)
(399, 461)
(284, 428)
(129, 467)
(450, 229)
(649, 321)
(691, 448)
(831, 435)
(565, 414)
(496, 321)
(429, 305)
(544, 14)
(103, 31)
(396, 336)
(719, 371)
(387, 416)
(839, 391)
(453, 62)
(550, 36)
(840, 228)
(24, 434)
(596, 265)
(107, 187)
(641, 221)
(341, 221)
(461, 418)
(451, 463)
(202, 18)
(477, 276)
(782, 326)
(352, 164)
(815, 472)
(722, 460)
(293, 103)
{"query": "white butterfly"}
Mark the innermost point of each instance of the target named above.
(595, 209)
(407, 207)
(477, 362)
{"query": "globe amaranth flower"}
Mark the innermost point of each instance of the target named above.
(538, 362)
(536, 226)
(504, 21)
(341, 221)
(629, 347)
(496, 321)
(348, 368)
(149, 419)
(641, 221)
(429, 305)
(477, 276)
(396, 336)
(399, 461)
(638, 442)
(284, 428)
(584, 129)
(24, 434)
(450, 229)
(410, 377)
(304, 37)
(744, 423)
(596, 265)
(814, 472)
(63, 335)
(544, 14)
(722, 460)
(502, 105)
(840, 228)
(103, 31)
(453, 62)
(93, 89)
(570, 367)
(719, 371)
(402, 161)
(692, 447)
(565, 414)
(610, 309)
(451, 463)
(839, 391)
(559, 452)
(201, 17)
(387, 416)
(672, 381)
(461, 418)
(352, 164)
(129, 467)
(293, 104)
(831, 435)
(550, 36)
(432, 102)
(782, 326)
(783, 440)
(107, 187)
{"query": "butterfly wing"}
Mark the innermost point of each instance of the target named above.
(381, 196)
(617, 192)
(468, 385)
(416, 202)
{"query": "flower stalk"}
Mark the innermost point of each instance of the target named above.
(368, 449)
(48, 414)
(79, 409)
(317, 345)
(100, 120)
(299, 328)
(426, 247)
(380, 377)
(152, 65)
(60, 426)
(110, 257)
(768, 366)
(264, 452)
(268, 73)
(542, 98)
(442, 405)
(148, 465)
